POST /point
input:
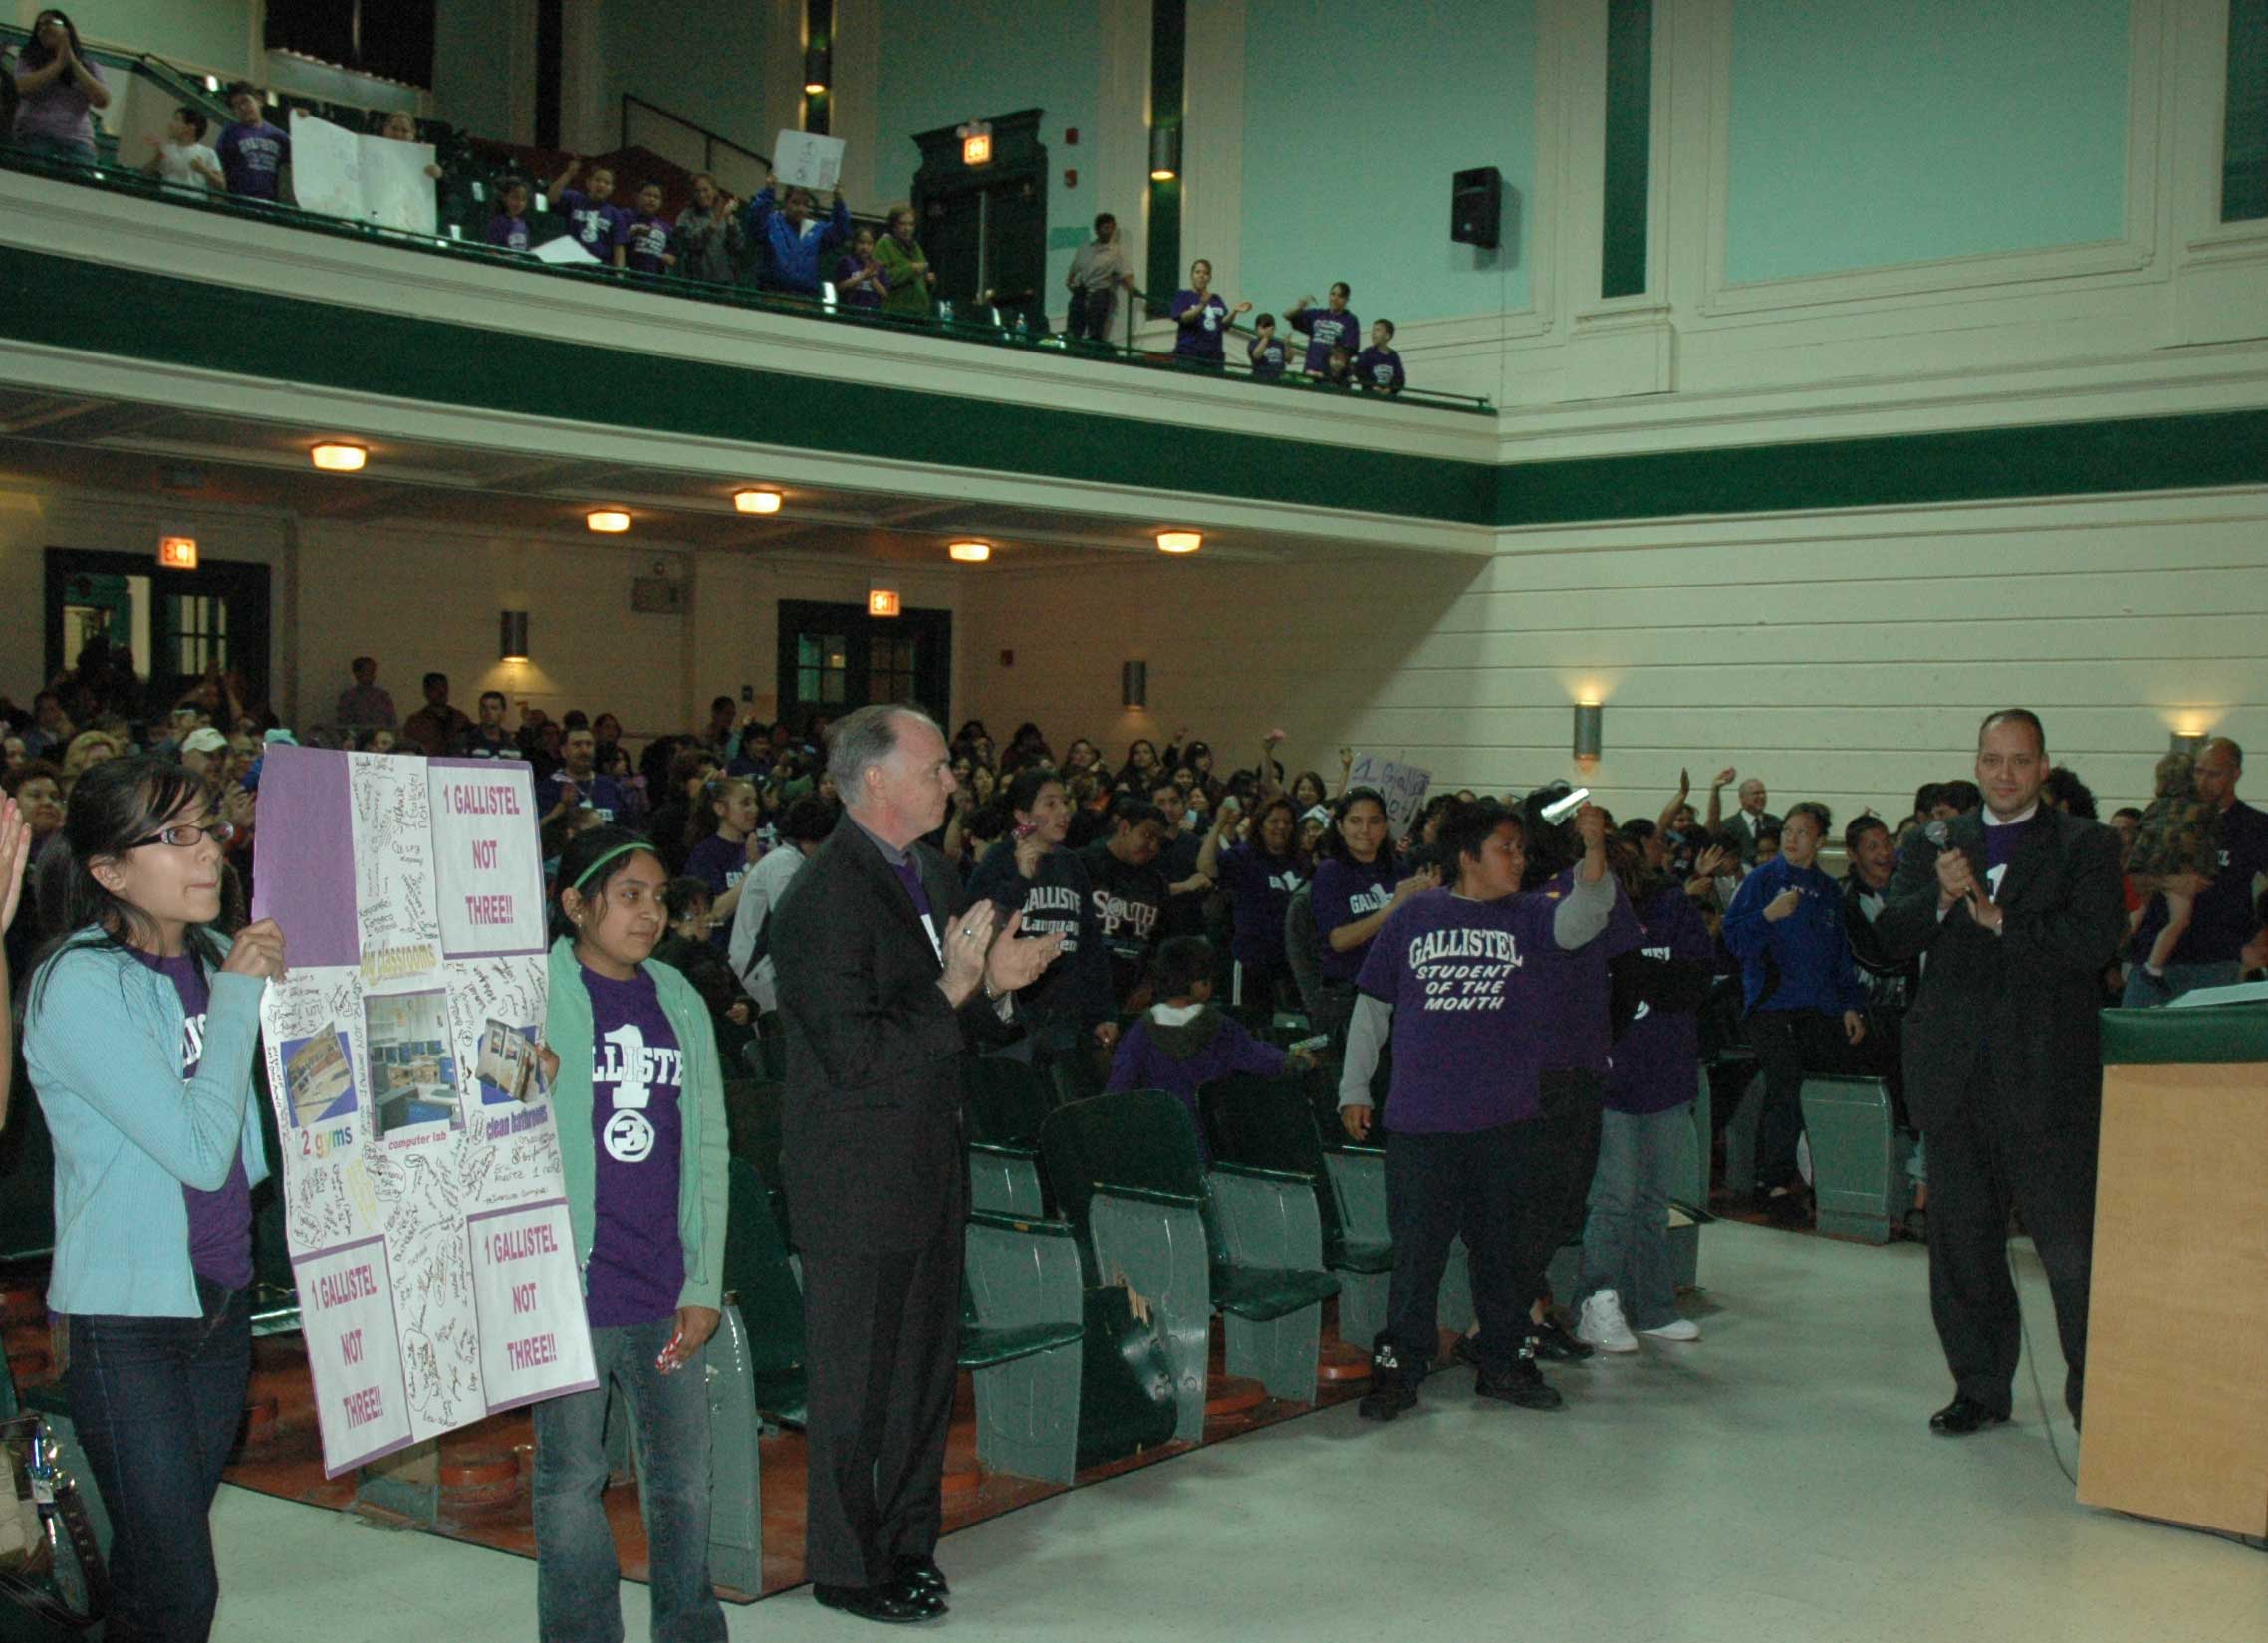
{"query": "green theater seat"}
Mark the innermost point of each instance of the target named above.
(758, 1275)
(1006, 1101)
(1858, 1157)
(1126, 1171)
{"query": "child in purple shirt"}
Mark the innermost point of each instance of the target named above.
(597, 227)
(1184, 1044)
(252, 153)
(509, 227)
(858, 280)
(1378, 369)
(1326, 327)
(647, 235)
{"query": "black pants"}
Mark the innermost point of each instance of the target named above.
(157, 1401)
(1978, 1168)
(1438, 1186)
(883, 1333)
(1790, 1043)
(1090, 318)
(1565, 1158)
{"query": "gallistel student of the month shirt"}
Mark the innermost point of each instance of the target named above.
(252, 159)
(596, 226)
(638, 1075)
(1471, 984)
(1324, 331)
(1345, 891)
(220, 1221)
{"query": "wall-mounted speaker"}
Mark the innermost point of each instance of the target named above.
(1476, 206)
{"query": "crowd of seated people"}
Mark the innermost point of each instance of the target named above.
(780, 242)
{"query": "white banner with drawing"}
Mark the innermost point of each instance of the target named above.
(424, 1199)
(1401, 786)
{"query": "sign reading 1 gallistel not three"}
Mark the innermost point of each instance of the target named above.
(422, 1194)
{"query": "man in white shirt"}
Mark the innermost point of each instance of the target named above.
(1096, 273)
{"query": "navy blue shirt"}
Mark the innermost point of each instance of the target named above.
(1803, 960)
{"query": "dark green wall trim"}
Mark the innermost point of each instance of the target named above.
(2154, 453)
(1169, 58)
(2244, 137)
(1629, 148)
(140, 314)
(137, 314)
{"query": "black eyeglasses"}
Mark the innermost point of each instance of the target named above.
(183, 835)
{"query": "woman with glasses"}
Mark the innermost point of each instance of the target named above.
(139, 1028)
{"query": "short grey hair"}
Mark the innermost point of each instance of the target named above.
(858, 741)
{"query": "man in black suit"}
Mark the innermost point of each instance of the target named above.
(884, 982)
(1750, 823)
(2015, 910)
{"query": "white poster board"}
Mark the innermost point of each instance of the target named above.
(342, 173)
(565, 250)
(425, 1203)
(802, 160)
(1403, 786)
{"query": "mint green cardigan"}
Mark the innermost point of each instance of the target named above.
(705, 1142)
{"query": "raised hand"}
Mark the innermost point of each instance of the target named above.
(1711, 862)
(1590, 827)
(1725, 778)
(258, 951)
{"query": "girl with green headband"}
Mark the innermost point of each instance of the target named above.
(639, 1099)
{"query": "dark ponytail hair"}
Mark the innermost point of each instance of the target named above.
(114, 806)
(35, 55)
(1332, 847)
(704, 823)
(610, 849)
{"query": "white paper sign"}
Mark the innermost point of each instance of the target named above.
(1403, 786)
(423, 1194)
(802, 160)
(566, 250)
(342, 173)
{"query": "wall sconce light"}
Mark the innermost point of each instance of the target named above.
(177, 553)
(970, 553)
(512, 635)
(815, 67)
(1133, 684)
(608, 521)
(1164, 153)
(1181, 541)
(340, 459)
(2190, 742)
(756, 502)
(1589, 726)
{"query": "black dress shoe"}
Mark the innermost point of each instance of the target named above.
(1963, 1416)
(925, 1574)
(1523, 1385)
(892, 1605)
(1468, 1352)
(1555, 1346)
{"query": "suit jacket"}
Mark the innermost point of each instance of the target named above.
(872, 1152)
(1749, 826)
(2027, 998)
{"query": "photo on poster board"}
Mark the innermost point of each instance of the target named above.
(319, 1078)
(414, 1076)
(507, 1068)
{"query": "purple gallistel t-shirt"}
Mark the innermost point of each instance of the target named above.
(220, 1223)
(597, 227)
(508, 231)
(1579, 1032)
(1472, 985)
(1658, 1057)
(848, 267)
(1201, 341)
(637, 1073)
(252, 159)
(1347, 890)
(1324, 331)
(1260, 889)
(647, 242)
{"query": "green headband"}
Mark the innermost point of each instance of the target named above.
(619, 850)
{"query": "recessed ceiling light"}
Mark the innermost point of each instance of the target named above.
(1181, 541)
(610, 520)
(340, 459)
(970, 553)
(756, 502)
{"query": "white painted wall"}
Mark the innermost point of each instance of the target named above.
(1846, 657)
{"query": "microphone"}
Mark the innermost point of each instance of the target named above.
(1937, 832)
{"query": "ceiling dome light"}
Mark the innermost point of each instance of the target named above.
(756, 502)
(612, 520)
(970, 553)
(340, 459)
(1179, 542)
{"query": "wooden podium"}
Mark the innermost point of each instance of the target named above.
(2177, 1320)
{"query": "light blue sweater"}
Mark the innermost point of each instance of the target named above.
(103, 1047)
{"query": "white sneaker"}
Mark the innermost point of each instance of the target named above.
(1678, 1329)
(1601, 1324)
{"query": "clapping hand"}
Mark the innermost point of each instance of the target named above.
(1425, 878)
(967, 939)
(1013, 964)
(15, 857)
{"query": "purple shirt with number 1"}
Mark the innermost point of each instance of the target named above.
(638, 1075)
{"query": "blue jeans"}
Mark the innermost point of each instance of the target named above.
(158, 1402)
(1625, 1238)
(2144, 992)
(578, 1579)
(48, 147)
